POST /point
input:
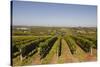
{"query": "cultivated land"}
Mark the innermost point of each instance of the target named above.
(32, 45)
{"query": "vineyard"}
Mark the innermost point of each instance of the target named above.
(46, 45)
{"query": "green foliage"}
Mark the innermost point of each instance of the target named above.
(85, 44)
(93, 39)
(51, 53)
(46, 46)
(71, 43)
(27, 45)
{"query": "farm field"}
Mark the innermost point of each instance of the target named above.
(33, 45)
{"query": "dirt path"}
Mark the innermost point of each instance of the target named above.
(93, 57)
(36, 59)
(54, 59)
(66, 55)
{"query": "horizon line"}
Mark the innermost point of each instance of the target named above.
(52, 26)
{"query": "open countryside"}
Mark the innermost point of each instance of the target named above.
(51, 45)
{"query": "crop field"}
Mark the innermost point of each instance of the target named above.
(33, 45)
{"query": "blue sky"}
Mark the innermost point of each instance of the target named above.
(51, 14)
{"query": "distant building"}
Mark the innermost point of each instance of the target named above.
(22, 28)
